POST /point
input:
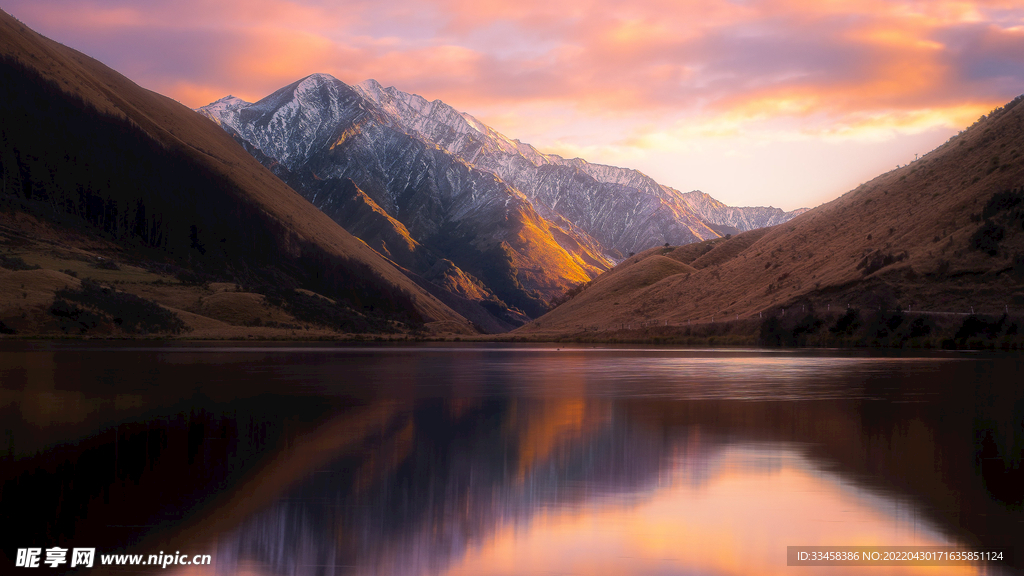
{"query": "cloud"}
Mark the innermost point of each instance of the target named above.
(587, 75)
(785, 57)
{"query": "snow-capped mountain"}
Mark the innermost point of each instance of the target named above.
(406, 197)
(457, 132)
(623, 209)
(743, 219)
(422, 182)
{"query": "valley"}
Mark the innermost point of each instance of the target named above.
(333, 211)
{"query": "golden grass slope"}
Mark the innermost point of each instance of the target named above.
(178, 127)
(904, 238)
(611, 293)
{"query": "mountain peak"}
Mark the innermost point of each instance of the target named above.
(223, 107)
(320, 78)
(371, 84)
(229, 102)
(320, 83)
(394, 100)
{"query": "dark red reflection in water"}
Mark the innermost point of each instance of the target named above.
(504, 461)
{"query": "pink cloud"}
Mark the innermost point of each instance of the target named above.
(595, 72)
(598, 56)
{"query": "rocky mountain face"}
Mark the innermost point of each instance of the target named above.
(458, 204)
(622, 209)
(742, 219)
(409, 199)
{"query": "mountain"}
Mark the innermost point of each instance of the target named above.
(420, 181)
(941, 237)
(740, 219)
(412, 201)
(623, 209)
(106, 179)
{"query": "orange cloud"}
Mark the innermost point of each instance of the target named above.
(586, 74)
(597, 56)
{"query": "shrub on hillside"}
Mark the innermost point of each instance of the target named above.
(133, 314)
(987, 237)
(1018, 265)
(191, 277)
(847, 324)
(883, 323)
(569, 294)
(1003, 202)
(920, 327)
(342, 316)
(774, 333)
(107, 265)
(15, 263)
(806, 327)
(878, 260)
(976, 327)
(72, 317)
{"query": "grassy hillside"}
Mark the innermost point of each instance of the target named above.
(944, 234)
(86, 153)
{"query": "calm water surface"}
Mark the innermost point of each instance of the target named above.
(504, 460)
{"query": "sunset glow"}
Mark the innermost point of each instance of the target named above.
(708, 517)
(783, 102)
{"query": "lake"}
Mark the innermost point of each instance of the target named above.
(487, 459)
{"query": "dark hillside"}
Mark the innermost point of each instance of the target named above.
(942, 238)
(85, 149)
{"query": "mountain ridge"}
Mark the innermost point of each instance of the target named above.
(464, 135)
(429, 182)
(332, 145)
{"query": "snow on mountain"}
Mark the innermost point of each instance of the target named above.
(624, 209)
(459, 133)
(442, 183)
(742, 218)
(295, 120)
(374, 172)
(226, 106)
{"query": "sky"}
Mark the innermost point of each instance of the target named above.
(788, 103)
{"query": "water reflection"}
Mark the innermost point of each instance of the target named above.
(563, 486)
(507, 461)
(716, 525)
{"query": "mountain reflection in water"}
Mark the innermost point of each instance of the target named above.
(510, 460)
